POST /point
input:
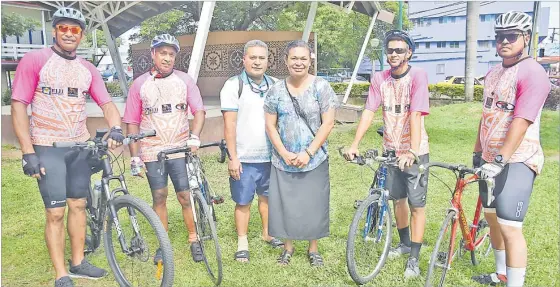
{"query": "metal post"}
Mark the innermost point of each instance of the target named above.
(44, 28)
(115, 55)
(471, 46)
(360, 56)
(200, 38)
(534, 41)
(310, 20)
(399, 26)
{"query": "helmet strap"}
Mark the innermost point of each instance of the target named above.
(66, 52)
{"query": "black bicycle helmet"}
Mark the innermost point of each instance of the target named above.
(398, 34)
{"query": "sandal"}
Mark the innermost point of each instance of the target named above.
(284, 258)
(315, 259)
(196, 251)
(242, 256)
(275, 243)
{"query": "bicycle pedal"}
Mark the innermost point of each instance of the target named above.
(159, 270)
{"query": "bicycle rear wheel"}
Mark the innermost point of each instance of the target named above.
(208, 237)
(369, 239)
(135, 266)
(444, 252)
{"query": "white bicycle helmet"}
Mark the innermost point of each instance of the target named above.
(513, 20)
(165, 39)
(67, 13)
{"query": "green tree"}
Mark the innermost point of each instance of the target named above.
(16, 25)
(87, 41)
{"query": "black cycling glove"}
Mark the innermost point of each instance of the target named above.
(31, 164)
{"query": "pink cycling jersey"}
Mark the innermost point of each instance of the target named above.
(514, 92)
(162, 104)
(399, 97)
(56, 86)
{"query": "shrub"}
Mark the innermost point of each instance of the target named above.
(7, 97)
(358, 90)
(553, 100)
(453, 91)
(114, 89)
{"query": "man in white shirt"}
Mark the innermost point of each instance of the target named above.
(242, 100)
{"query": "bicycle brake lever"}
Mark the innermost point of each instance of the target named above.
(421, 170)
(490, 189)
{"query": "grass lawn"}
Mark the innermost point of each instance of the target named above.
(452, 131)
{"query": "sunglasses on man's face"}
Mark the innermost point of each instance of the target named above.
(398, 50)
(73, 29)
(512, 38)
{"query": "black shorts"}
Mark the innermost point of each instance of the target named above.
(174, 168)
(67, 175)
(401, 184)
(512, 191)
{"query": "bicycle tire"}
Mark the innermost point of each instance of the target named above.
(157, 226)
(482, 229)
(447, 223)
(350, 244)
(204, 216)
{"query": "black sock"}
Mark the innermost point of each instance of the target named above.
(415, 249)
(404, 235)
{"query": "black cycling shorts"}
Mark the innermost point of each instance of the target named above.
(67, 175)
(174, 168)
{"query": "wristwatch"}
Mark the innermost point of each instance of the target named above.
(499, 159)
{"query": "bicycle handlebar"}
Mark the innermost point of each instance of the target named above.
(93, 143)
(371, 154)
(162, 155)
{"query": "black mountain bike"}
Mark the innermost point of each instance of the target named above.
(132, 231)
(202, 201)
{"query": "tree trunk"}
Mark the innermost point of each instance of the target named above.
(471, 46)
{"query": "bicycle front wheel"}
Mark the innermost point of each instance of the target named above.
(444, 252)
(132, 241)
(369, 239)
(208, 237)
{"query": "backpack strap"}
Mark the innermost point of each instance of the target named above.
(240, 90)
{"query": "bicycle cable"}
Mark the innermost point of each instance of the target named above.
(122, 169)
(448, 187)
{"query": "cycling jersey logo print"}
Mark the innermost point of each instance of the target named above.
(505, 106)
(489, 102)
(181, 106)
(46, 90)
(73, 92)
(397, 109)
(519, 209)
(149, 111)
(166, 108)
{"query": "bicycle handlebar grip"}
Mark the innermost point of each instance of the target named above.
(149, 133)
(64, 144)
(161, 159)
(222, 154)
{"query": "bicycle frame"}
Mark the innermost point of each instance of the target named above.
(378, 184)
(468, 232)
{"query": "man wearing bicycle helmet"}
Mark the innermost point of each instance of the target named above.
(508, 147)
(56, 83)
(160, 100)
(402, 92)
(242, 100)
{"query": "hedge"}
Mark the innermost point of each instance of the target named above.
(453, 91)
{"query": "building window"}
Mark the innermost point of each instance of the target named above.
(493, 44)
(452, 19)
(486, 18)
(428, 22)
(454, 44)
(427, 45)
(441, 44)
(440, 69)
(442, 20)
(483, 44)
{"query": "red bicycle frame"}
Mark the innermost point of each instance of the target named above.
(468, 232)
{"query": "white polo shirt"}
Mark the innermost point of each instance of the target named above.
(253, 145)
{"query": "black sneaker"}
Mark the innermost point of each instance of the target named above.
(86, 270)
(64, 282)
(493, 279)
